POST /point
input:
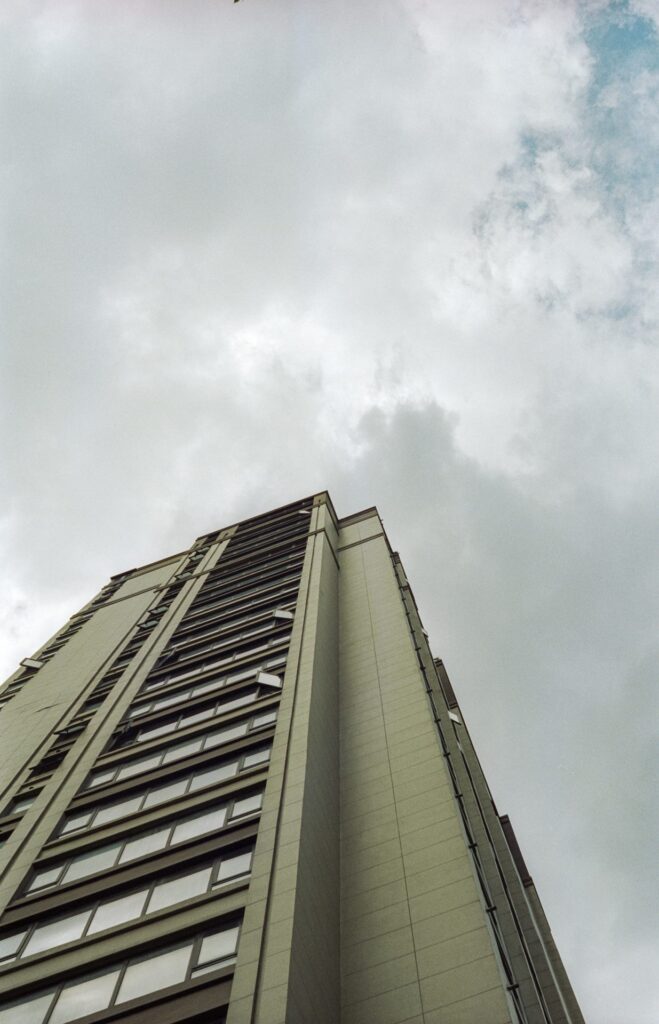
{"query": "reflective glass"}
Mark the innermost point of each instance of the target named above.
(214, 775)
(28, 1011)
(218, 946)
(141, 709)
(200, 825)
(155, 973)
(98, 778)
(231, 867)
(145, 764)
(238, 702)
(113, 811)
(260, 720)
(214, 684)
(163, 793)
(89, 863)
(182, 750)
(10, 943)
(82, 997)
(173, 698)
(56, 933)
(166, 894)
(217, 738)
(237, 677)
(115, 912)
(22, 805)
(76, 821)
(45, 878)
(149, 732)
(256, 757)
(197, 716)
(247, 806)
(144, 844)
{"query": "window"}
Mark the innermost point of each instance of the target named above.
(122, 852)
(217, 682)
(153, 796)
(128, 980)
(20, 804)
(150, 732)
(216, 738)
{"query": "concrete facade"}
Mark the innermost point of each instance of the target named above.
(382, 886)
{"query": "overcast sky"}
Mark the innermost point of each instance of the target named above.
(402, 250)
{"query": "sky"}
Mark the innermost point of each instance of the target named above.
(402, 250)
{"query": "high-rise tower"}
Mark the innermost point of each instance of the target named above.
(238, 787)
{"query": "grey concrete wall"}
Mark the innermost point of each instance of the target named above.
(415, 944)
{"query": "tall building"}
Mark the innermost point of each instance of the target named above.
(237, 787)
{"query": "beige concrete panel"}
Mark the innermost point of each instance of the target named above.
(379, 950)
(372, 876)
(448, 925)
(393, 1007)
(486, 1008)
(455, 952)
(448, 897)
(360, 903)
(379, 979)
(369, 818)
(377, 922)
(438, 875)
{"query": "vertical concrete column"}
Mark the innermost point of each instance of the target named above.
(287, 970)
(415, 945)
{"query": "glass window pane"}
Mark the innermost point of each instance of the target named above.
(18, 806)
(182, 750)
(260, 720)
(231, 867)
(149, 732)
(119, 810)
(42, 879)
(163, 793)
(28, 1011)
(213, 775)
(143, 845)
(217, 738)
(89, 863)
(218, 946)
(237, 677)
(56, 933)
(81, 997)
(155, 973)
(247, 806)
(98, 778)
(171, 698)
(217, 663)
(200, 825)
(145, 764)
(256, 757)
(10, 943)
(196, 716)
(214, 684)
(75, 822)
(115, 912)
(141, 709)
(176, 890)
(237, 702)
